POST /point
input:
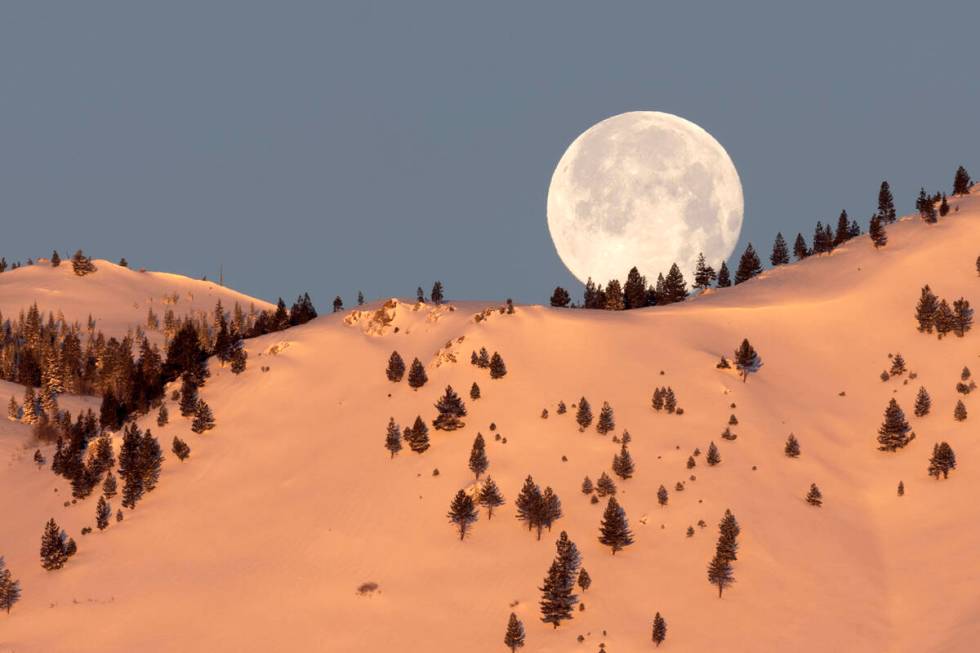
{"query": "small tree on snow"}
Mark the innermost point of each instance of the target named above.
(922, 403)
(396, 367)
(746, 359)
(451, 408)
(792, 448)
(462, 512)
(713, 457)
(478, 456)
(180, 449)
(416, 375)
(894, 432)
(497, 368)
(606, 421)
(203, 417)
(814, 497)
(102, 512)
(614, 531)
(622, 464)
(490, 497)
(659, 629)
(584, 414)
(393, 437)
(514, 637)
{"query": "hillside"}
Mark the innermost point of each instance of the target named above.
(261, 539)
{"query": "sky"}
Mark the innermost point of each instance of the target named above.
(332, 147)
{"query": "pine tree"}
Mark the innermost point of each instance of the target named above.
(550, 510)
(338, 304)
(29, 415)
(606, 421)
(635, 290)
(436, 295)
(614, 531)
(843, 232)
(180, 449)
(942, 461)
(662, 496)
(622, 464)
(943, 319)
(560, 298)
(9, 588)
(792, 448)
(558, 599)
(514, 637)
(360, 298)
(393, 438)
(188, 396)
(800, 249)
(203, 418)
(54, 552)
(238, 356)
(529, 503)
(962, 317)
(780, 251)
(925, 310)
(713, 457)
(961, 182)
(746, 359)
(474, 391)
(691, 464)
(670, 400)
(416, 375)
(163, 416)
(462, 512)
(814, 497)
(658, 399)
(886, 204)
(704, 274)
(901, 489)
(417, 436)
(150, 461)
(483, 360)
(898, 365)
(451, 408)
(102, 512)
(490, 496)
(876, 231)
(659, 629)
(497, 368)
(822, 243)
(13, 409)
(478, 456)
(675, 288)
(720, 573)
(109, 486)
(724, 278)
(587, 487)
(396, 367)
(583, 415)
(959, 413)
(38, 458)
(748, 266)
(82, 264)
(893, 434)
(922, 403)
(944, 207)
(605, 486)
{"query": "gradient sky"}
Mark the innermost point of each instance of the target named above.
(335, 146)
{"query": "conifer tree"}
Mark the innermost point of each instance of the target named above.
(606, 421)
(162, 415)
(13, 409)
(529, 503)
(748, 266)
(670, 400)
(462, 512)
(942, 461)
(550, 510)
(238, 356)
(614, 530)
(635, 290)
(944, 207)
(478, 456)
(514, 637)
(876, 231)
(393, 437)
(961, 182)
(713, 457)
(658, 399)
(843, 232)
(54, 551)
(188, 396)
(203, 418)
(780, 251)
(792, 448)
(724, 278)
(416, 375)
(560, 298)
(180, 449)
(150, 460)
(959, 413)
(901, 489)
(704, 274)
(420, 295)
(9, 588)
(675, 288)
(587, 487)
(583, 415)
(822, 242)
(691, 462)
(662, 496)
(396, 367)
(474, 391)
(497, 368)
(436, 294)
(130, 461)
(886, 204)
(898, 365)
(338, 304)
(746, 359)
(962, 317)
(943, 319)
(893, 434)
(483, 360)
(38, 458)
(102, 512)
(29, 415)
(814, 497)
(922, 402)
(800, 249)
(490, 496)
(82, 264)
(418, 436)
(622, 464)
(451, 408)
(558, 598)
(605, 486)
(659, 629)
(925, 310)
(109, 486)
(720, 573)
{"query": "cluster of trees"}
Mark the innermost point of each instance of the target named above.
(942, 460)
(720, 571)
(558, 596)
(934, 313)
(664, 399)
(56, 546)
(494, 363)
(536, 508)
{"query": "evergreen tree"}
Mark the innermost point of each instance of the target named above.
(9, 588)
(82, 264)
(163, 416)
(792, 448)
(550, 510)
(748, 266)
(238, 357)
(962, 317)
(614, 300)
(944, 207)
(800, 249)
(55, 259)
(659, 629)
(854, 230)
(483, 360)
(180, 449)
(393, 438)
(109, 486)
(478, 456)
(959, 413)
(898, 365)
(675, 288)
(943, 319)
(961, 182)
(188, 396)
(901, 489)
(587, 487)
(338, 304)
(746, 359)
(396, 367)
(558, 599)
(822, 242)
(606, 422)
(893, 434)
(814, 497)
(203, 418)
(38, 458)
(360, 298)
(416, 375)
(720, 573)
(529, 503)
(670, 400)
(605, 486)
(451, 408)
(724, 280)
(584, 580)
(622, 464)
(662, 496)
(420, 295)
(713, 457)
(942, 461)
(614, 530)
(635, 290)
(29, 415)
(13, 409)
(462, 512)
(497, 368)
(560, 298)
(925, 310)
(843, 233)
(490, 497)
(150, 461)
(691, 464)
(54, 551)
(102, 512)
(583, 415)
(418, 436)
(704, 274)
(436, 294)
(886, 204)
(780, 251)
(514, 637)
(474, 391)
(876, 231)
(922, 402)
(658, 399)
(130, 466)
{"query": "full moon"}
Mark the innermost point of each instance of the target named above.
(645, 189)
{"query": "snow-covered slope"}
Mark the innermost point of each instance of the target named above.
(262, 538)
(117, 297)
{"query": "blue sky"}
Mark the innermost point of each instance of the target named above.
(334, 147)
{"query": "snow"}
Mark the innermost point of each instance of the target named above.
(262, 538)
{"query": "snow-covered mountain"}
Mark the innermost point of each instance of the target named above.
(264, 538)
